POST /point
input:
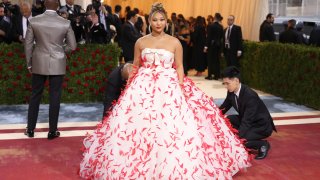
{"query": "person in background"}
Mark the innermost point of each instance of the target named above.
(213, 47)
(117, 22)
(266, 29)
(198, 39)
(233, 43)
(314, 39)
(129, 36)
(184, 38)
(290, 35)
(301, 35)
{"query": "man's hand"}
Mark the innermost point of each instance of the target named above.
(205, 49)
(2, 33)
(239, 53)
(21, 39)
(30, 70)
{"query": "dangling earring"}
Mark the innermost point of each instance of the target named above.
(167, 27)
(149, 28)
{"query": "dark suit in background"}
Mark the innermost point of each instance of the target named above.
(214, 44)
(129, 36)
(234, 37)
(266, 32)
(117, 24)
(98, 34)
(198, 39)
(254, 121)
(315, 37)
(290, 36)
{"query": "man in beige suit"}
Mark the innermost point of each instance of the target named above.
(45, 48)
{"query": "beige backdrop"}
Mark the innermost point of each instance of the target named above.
(249, 13)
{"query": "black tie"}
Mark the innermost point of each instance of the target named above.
(27, 22)
(237, 101)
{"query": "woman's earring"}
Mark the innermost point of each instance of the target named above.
(167, 27)
(149, 28)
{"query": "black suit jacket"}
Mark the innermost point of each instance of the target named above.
(289, 36)
(6, 27)
(215, 35)
(129, 36)
(117, 24)
(98, 34)
(114, 85)
(235, 39)
(315, 37)
(266, 32)
(256, 122)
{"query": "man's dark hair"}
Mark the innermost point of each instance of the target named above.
(292, 22)
(269, 15)
(117, 8)
(218, 17)
(108, 9)
(127, 9)
(131, 14)
(231, 72)
(136, 10)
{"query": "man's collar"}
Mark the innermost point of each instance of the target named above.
(238, 92)
(131, 22)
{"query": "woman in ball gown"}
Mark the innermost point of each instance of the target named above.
(162, 126)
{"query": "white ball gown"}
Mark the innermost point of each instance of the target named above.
(161, 130)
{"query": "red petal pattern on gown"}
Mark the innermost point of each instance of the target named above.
(160, 130)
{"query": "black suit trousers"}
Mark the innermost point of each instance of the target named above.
(55, 89)
(213, 59)
(251, 144)
(231, 57)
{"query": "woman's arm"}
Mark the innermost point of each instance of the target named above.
(178, 58)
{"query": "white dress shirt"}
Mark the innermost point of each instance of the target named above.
(25, 25)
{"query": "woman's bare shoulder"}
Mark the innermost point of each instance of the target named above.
(173, 41)
(143, 40)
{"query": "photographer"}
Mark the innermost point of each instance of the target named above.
(104, 19)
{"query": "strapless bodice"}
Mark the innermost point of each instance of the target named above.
(157, 57)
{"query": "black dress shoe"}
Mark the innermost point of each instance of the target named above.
(263, 151)
(53, 134)
(209, 78)
(29, 133)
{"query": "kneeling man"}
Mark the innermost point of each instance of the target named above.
(253, 122)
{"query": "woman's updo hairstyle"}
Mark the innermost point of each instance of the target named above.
(158, 8)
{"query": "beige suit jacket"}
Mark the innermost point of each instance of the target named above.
(48, 37)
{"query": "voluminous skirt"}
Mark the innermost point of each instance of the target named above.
(161, 130)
